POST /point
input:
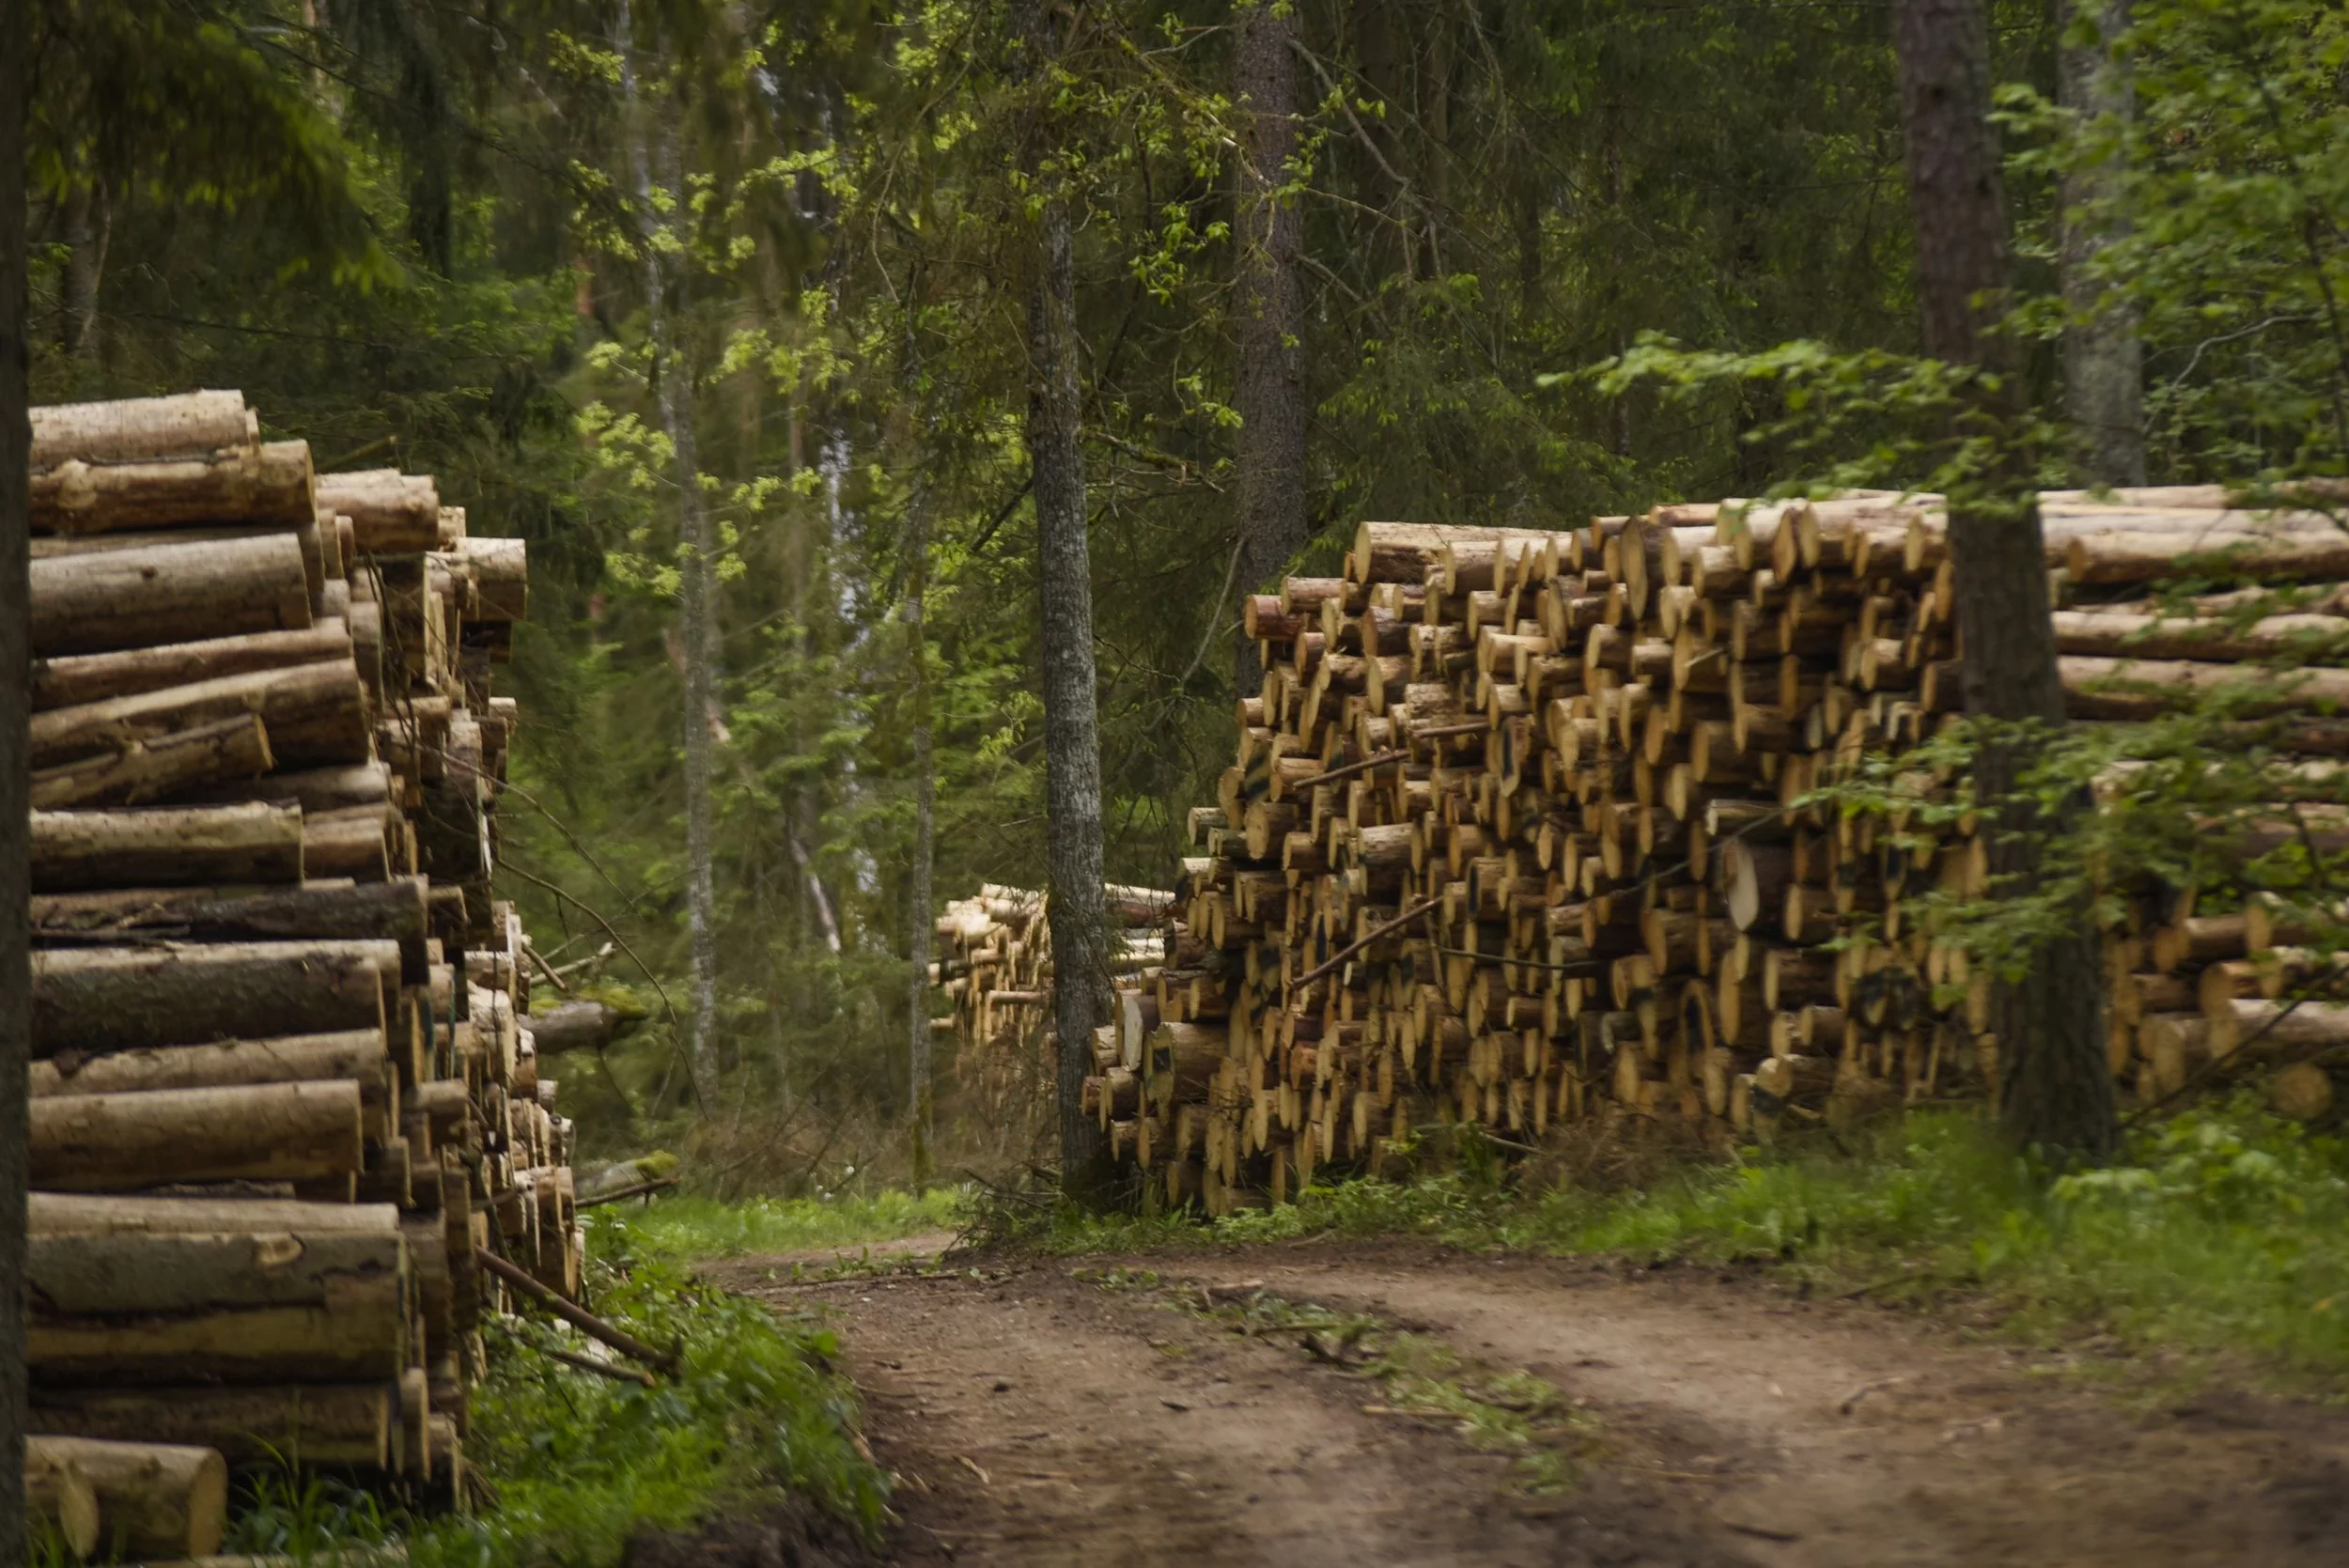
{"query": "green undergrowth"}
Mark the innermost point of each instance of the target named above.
(706, 1228)
(2223, 1234)
(575, 1462)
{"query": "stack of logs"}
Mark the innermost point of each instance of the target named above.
(284, 1085)
(997, 971)
(1513, 833)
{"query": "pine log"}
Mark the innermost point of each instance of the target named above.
(60, 1495)
(319, 565)
(577, 1025)
(2262, 1029)
(391, 513)
(166, 846)
(120, 999)
(2117, 635)
(354, 844)
(267, 483)
(154, 1499)
(91, 1213)
(358, 1055)
(322, 910)
(119, 1142)
(92, 677)
(2302, 1092)
(317, 1423)
(174, 593)
(316, 714)
(158, 768)
(142, 429)
(146, 1308)
(2261, 556)
(501, 575)
(2143, 688)
(316, 790)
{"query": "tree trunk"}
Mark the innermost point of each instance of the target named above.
(2102, 360)
(15, 837)
(1270, 384)
(922, 1095)
(2056, 1092)
(1072, 747)
(672, 370)
(129, 671)
(88, 224)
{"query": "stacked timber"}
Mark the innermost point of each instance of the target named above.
(1521, 829)
(284, 1084)
(996, 969)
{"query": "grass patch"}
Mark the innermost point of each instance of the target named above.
(706, 1228)
(2223, 1232)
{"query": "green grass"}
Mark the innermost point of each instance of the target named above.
(579, 1463)
(705, 1228)
(2223, 1234)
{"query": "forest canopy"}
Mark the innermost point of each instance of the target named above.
(724, 308)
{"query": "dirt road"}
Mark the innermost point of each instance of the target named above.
(1048, 1412)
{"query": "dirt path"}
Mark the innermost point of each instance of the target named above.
(1034, 1417)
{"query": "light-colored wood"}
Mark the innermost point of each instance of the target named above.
(158, 768)
(316, 715)
(267, 483)
(358, 1055)
(120, 1142)
(59, 1493)
(390, 513)
(142, 429)
(166, 846)
(153, 1498)
(64, 682)
(170, 593)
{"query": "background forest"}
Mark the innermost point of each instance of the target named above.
(724, 308)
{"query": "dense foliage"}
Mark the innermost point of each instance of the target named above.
(427, 235)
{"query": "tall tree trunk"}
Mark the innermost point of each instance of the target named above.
(2056, 1092)
(672, 372)
(1270, 392)
(2103, 359)
(89, 224)
(1072, 748)
(922, 1097)
(16, 616)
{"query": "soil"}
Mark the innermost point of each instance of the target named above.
(1036, 1415)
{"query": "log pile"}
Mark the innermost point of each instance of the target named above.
(285, 1082)
(1513, 834)
(996, 969)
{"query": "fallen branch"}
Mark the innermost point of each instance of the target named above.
(639, 1190)
(1342, 954)
(578, 1317)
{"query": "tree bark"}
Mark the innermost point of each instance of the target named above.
(2103, 359)
(316, 714)
(132, 598)
(288, 1132)
(1072, 747)
(395, 911)
(88, 224)
(141, 429)
(921, 1092)
(267, 483)
(355, 1054)
(313, 1423)
(391, 513)
(166, 846)
(122, 998)
(157, 769)
(2056, 1092)
(15, 837)
(94, 677)
(1269, 391)
(672, 370)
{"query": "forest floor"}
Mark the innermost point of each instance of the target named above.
(1349, 1402)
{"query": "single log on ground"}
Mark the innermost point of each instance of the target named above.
(142, 429)
(154, 1499)
(317, 910)
(269, 483)
(158, 768)
(357, 1055)
(119, 999)
(316, 1423)
(579, 1025)
(166, 846)
(266, 1307)
(177, 592)
(59, 1493)
(391, 513)
(92, 677)
(316, 714)
(120, 1142)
